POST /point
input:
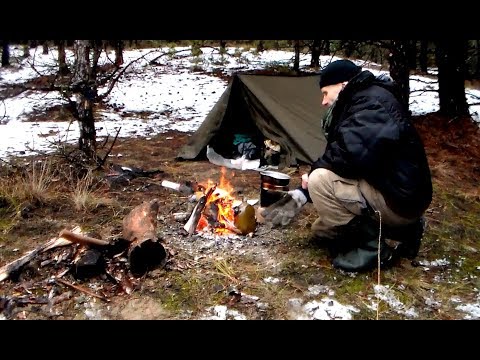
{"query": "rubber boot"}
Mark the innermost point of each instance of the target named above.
(358, 246)
(409, 236)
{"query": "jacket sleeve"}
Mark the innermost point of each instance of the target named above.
(361, 142)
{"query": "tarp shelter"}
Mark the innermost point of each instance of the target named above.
(285, 109)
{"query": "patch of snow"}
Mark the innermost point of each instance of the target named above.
(271, 280)
(472, 310)
(387, 295)
(221, 312)
(435, 263)
(318, 289)
(325, 309)
(432, 303)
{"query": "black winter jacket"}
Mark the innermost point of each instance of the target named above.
(371, 138)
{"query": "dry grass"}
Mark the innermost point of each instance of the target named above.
(37, 183)
(85, 193)
(226, 270)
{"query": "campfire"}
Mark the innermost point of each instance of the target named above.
(218, 212)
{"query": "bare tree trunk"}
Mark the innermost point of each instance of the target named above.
(477, 65)
(450, 56)
(399, 69)
(326, 47)
(315, 49)
(260, 46)
(45, 47)
(26, 51)
(412, 55)
(296, 61)
(423, 56)
(97, 46)
(85, 90)
(348, 47)
(119, 45)
(62, 63)
(223, 46)
(5, 53)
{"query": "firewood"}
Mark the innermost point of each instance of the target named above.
(10, 268)
(82, 239)
(192, 222)
(141, 223)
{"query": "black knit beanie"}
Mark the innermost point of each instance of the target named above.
(338, 72)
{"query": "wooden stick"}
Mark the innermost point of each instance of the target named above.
(82, 289)
(8, 269)
(192, 223)
(82, 239)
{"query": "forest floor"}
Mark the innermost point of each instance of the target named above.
(274, 274)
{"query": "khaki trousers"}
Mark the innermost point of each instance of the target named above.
(338, 200)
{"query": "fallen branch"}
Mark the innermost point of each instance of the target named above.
(8, 269)
(82, 289)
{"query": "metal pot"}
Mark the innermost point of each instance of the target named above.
(273, 186)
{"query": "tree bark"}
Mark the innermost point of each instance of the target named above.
(45, 48)
(62, 63)
(5, 53)
(399, 69)
(119, 45)
(423, 56)
(85, 91)
(97, 46)
(450, 56)
(315, 49)
(296, 61)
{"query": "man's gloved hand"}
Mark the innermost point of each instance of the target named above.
(284, 210)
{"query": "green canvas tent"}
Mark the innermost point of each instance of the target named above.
(285, 109)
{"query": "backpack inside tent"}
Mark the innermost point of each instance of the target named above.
(273, 118)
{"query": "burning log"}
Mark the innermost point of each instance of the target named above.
(192, 222)
(140, 229)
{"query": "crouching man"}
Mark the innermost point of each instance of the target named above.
(374, 171)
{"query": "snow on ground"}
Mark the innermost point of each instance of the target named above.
(173, 94)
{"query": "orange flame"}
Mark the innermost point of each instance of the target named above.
(218, 216)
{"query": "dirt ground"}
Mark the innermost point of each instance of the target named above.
(274, 274)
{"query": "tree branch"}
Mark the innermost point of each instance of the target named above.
(102, 161)
(114, 81)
